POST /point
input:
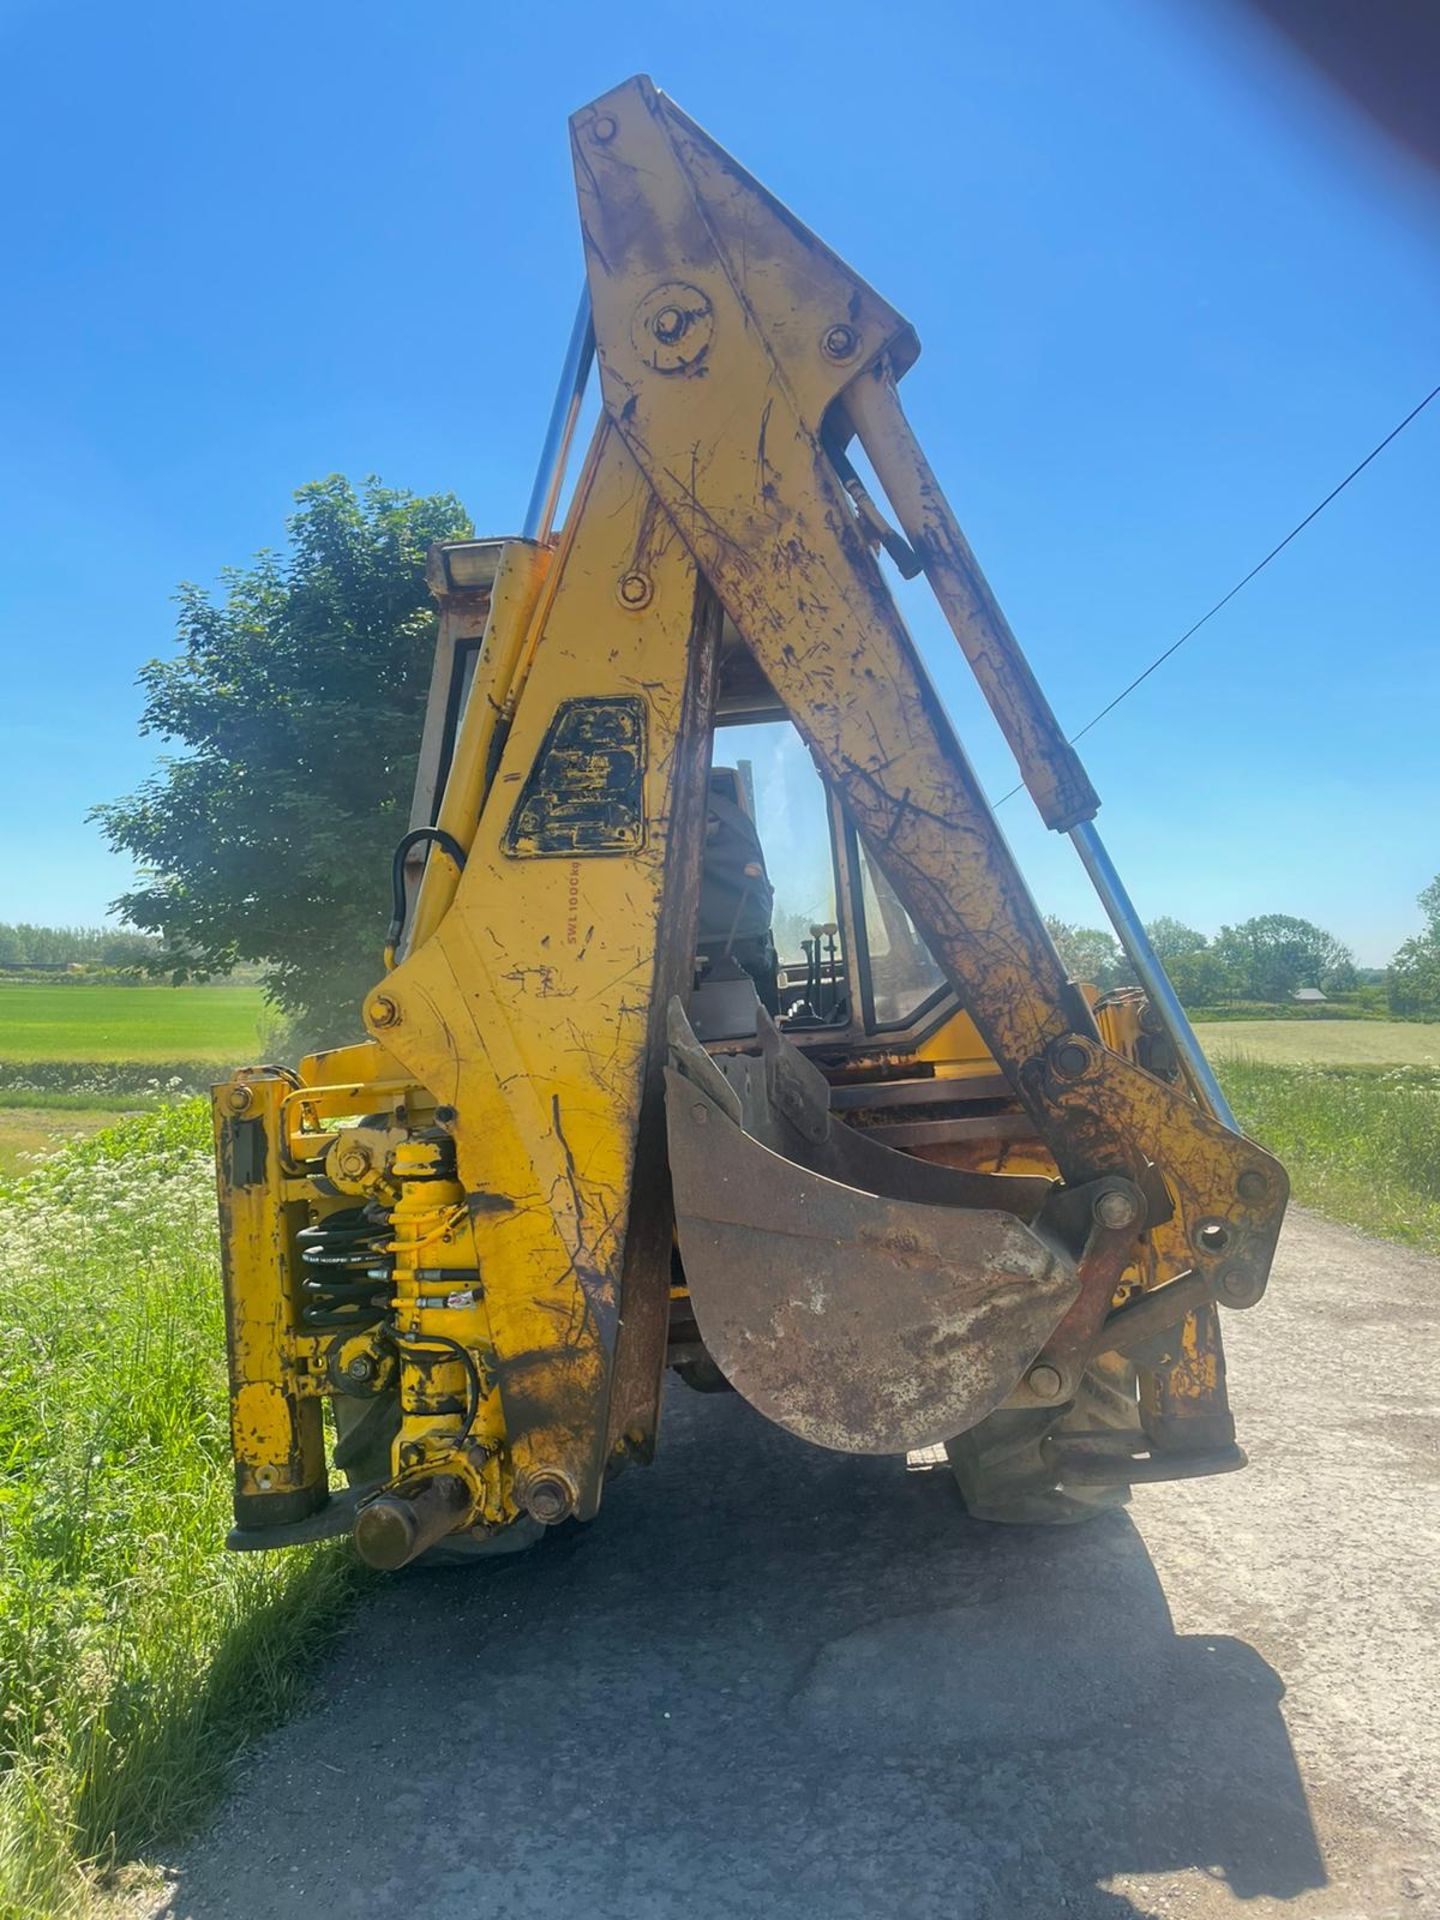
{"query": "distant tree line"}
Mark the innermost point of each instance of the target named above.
(1267, 959)
(24, 945)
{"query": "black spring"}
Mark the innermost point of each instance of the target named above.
(347, 1270)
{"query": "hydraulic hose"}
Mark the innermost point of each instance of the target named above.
(417, 837)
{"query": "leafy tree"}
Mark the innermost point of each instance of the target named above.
(1090, 954)
(1170, 938)
(298, 702)
(1273, 954)
(1201, 978)
(1198, 972)
(1414, 982)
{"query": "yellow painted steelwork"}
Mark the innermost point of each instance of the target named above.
(275, 1434)
(490, 708)
(529, 1011)
(487, 1174)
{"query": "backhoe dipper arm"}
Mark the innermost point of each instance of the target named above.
(725, 334)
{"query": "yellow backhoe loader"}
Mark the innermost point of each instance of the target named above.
(718, 1030)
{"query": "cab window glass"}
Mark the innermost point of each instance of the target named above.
(785, 797)
(903, 971)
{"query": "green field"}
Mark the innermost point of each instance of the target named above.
(1339, 1043)
(1352, 1108)
(216, 1024)
(76, 1058)
(29, 1129)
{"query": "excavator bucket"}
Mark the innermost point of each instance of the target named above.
(864, 1299)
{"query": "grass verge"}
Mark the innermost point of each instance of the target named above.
(28, 1134)
(40, 1100)
(1362, 1144)
(136, 1656)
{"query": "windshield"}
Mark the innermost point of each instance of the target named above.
(787, 801)
(903, 972)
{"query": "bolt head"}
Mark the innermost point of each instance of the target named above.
(1252, 1184)
(362, 1367)
(549, 1498)
(1238, 1288)
(1044, 1381)
(1116, 1208)
(635, 590)
(239, 1099)
(605, 128)
(700, 1114)
(672, 326)
(383, 1011)
(840, 342)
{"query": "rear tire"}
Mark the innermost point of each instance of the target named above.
(1001, 1471)
(703, 1376)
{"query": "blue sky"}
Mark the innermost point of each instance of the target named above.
(1165, 299)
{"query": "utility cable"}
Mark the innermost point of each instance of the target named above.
(1259, 567)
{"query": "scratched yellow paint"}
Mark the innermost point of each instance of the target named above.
(527, 1011)
(276, 1441)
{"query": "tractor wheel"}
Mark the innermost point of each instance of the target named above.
(1000, 1470)
(703, 1376)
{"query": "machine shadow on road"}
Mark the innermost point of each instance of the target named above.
(770, 1681)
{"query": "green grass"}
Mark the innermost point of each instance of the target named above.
(136, 1656)
(99, 1023)
(36, 1120)
(31, 1133)
(1385, 1043)
(41, 1100)
(1361, 1144)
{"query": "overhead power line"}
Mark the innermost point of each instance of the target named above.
(1259, 567)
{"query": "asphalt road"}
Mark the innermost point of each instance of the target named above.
(777, 1682)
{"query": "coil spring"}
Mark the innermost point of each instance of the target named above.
(347, 1270)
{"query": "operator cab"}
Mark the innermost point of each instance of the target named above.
(793, 920)
(793, 915)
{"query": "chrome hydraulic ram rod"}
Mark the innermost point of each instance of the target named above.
(550, 473)
(1049, 765)
(1149, 972)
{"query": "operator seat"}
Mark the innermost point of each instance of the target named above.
(733, 937)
